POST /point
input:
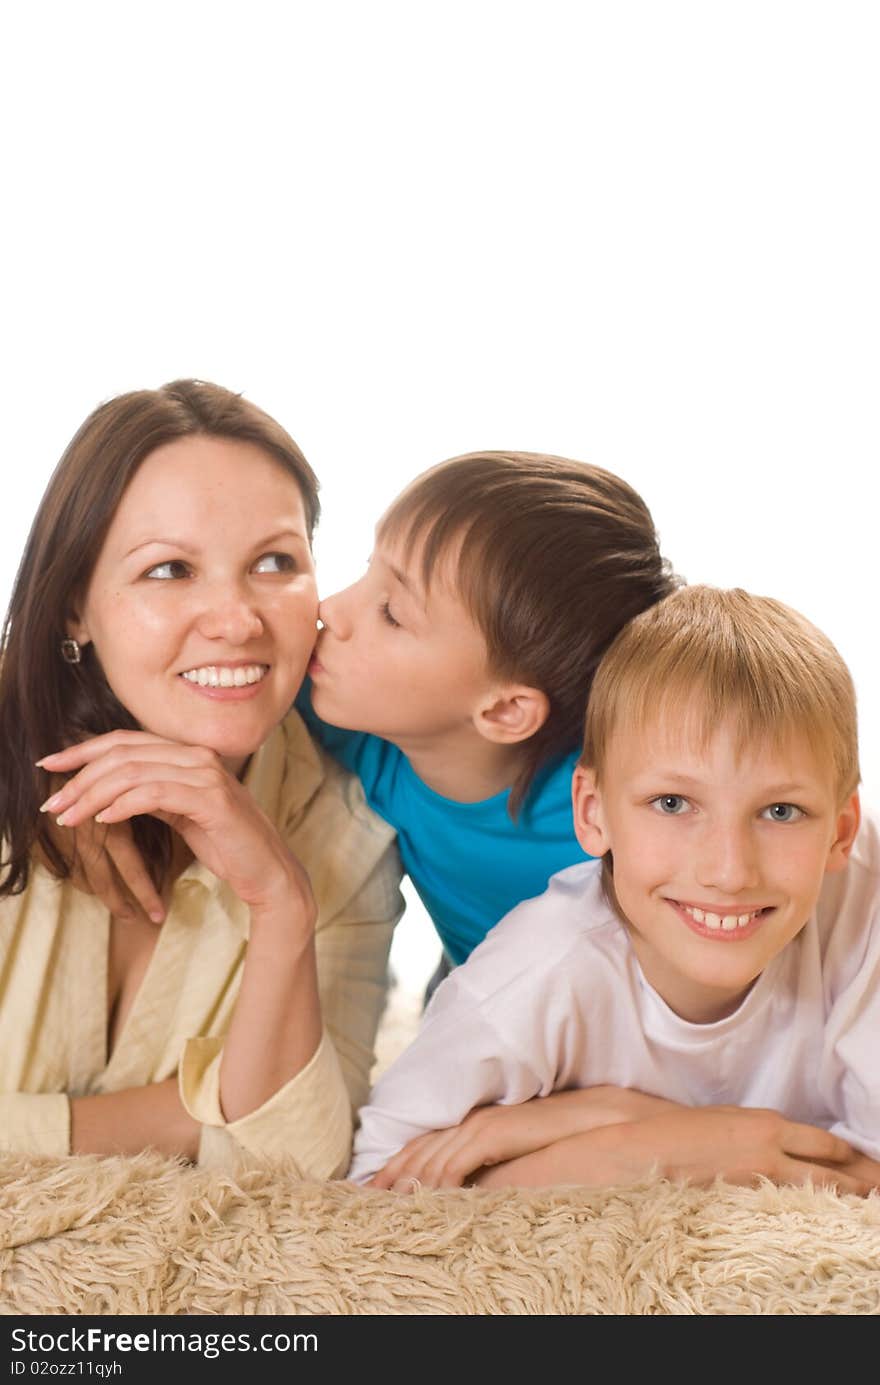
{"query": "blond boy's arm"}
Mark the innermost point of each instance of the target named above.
(736, 1144)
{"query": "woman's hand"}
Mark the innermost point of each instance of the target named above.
(126, 773)
(493, 1135)
(275, 1028)
(104, 861)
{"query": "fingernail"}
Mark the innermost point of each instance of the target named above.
(99, 817)
(50, 803)
(157, 917)
(60, 820)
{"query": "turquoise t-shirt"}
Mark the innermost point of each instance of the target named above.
(469, 862)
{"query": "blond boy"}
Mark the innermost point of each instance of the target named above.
(723, 959)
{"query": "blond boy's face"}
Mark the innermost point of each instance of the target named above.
(718, 858)
(397, 661)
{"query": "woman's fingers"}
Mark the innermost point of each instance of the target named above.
(96, 870)
(129, 865)
(74, 756)
(124, 758)
(98, 799)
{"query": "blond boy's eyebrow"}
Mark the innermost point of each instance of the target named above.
(768, 791)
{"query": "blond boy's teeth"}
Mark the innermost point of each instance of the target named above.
(722, 922)
(210, 676)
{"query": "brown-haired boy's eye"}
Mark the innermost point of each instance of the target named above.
(387, 616)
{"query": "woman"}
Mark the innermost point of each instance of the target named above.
(166, 604)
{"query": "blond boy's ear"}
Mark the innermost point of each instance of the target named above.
(589, 819)
(848, 820)
(512, 714)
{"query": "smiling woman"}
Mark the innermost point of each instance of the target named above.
(160, 626)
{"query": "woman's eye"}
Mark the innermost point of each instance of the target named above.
(275, 562)
(387, 616)
(172, 568)
(670, 804)
(783, 812)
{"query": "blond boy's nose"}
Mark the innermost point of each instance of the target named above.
(725, 861)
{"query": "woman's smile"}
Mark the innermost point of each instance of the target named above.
(227, 682)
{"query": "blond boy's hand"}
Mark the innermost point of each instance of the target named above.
(736, 1144)
(492, 1135)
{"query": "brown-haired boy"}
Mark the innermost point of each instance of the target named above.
(726, 955)
(451, 677)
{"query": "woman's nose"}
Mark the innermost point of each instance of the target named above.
(230, 616)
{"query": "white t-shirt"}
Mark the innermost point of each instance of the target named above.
(555, 998)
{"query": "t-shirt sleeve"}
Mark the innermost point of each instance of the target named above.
(457, 1061)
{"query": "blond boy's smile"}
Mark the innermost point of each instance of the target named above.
(721, 922)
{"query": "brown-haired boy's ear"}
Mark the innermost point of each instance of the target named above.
(589, 820)
(848, 819)
(512, 714)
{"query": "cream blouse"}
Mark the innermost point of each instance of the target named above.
(54, 951)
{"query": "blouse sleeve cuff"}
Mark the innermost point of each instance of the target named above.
(307, 1122)
(35, 1123)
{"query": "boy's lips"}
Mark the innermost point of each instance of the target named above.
(722, 922)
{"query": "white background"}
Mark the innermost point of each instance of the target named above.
(641, 234)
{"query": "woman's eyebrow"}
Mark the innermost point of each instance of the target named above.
(186, 547)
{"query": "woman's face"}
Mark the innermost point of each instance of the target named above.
(202, 606)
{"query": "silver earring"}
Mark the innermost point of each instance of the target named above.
(71, 652)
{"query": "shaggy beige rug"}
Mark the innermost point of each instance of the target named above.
(147, 1235)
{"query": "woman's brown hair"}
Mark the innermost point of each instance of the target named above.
(45, 703)
(551, 557)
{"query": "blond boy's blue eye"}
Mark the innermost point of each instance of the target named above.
(670, 804)
(783, 812)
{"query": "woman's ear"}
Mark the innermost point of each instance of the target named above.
(589, 819)
(76, 628)
(512, 714)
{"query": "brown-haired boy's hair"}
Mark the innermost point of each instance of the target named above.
(550, 556)
(46, 704)
(705, 656)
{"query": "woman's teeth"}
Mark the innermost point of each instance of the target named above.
(725, 921)
(211, 677)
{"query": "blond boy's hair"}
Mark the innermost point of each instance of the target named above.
(704, 656)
